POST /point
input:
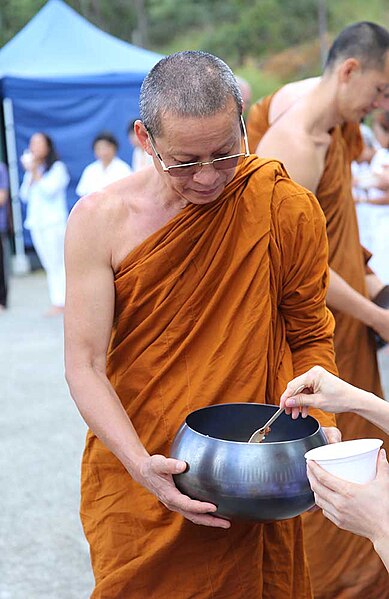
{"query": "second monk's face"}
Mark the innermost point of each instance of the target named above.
(366, 90)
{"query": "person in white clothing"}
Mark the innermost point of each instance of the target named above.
(44, 190)
(363, 180)
(107, 169)
(371, 193)
(379, 198)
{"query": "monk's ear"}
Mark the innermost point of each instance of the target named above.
(142, 136)
(348, 69)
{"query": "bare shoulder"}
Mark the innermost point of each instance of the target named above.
(113, 221)
(97, 220)
(296, 150)
(95, 213)
(287, 95)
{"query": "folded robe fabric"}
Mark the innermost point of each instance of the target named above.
(225, 303)
(343, 566)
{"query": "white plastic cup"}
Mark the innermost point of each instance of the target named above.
(355, 460)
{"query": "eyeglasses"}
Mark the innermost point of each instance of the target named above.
(191, 168)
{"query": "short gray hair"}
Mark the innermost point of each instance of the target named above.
(188, 84)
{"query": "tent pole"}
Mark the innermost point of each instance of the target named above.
(21, 264)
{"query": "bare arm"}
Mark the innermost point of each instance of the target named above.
(88, 322)
(382, 201)
(341, 296)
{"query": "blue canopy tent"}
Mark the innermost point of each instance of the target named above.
(62, 75)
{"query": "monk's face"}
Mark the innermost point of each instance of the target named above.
(199, 139)
(363, 90)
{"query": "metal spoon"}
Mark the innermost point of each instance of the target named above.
(260, 433)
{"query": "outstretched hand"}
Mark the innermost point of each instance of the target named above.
(322, 390)
(155, 473)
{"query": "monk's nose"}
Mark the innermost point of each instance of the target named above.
(207, 175)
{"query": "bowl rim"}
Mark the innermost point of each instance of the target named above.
(246, 443)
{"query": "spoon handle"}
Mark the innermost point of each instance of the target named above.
(278, 413)
(271, 420)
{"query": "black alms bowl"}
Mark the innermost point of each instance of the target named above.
(263, 482)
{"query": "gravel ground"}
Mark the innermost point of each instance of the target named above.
(42, 547)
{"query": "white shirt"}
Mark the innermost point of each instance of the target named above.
(46, 198)
(94, 176)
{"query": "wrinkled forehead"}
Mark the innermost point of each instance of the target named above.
(227, 118)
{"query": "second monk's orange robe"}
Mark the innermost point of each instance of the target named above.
(225, 303)
(343, 565)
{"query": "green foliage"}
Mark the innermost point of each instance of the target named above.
(262, 84)
(239, 31)
(14, 14)
(344, 13)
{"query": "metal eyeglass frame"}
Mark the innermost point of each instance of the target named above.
(170, 169)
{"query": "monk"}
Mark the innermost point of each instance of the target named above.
(196, 281)
(312, 126)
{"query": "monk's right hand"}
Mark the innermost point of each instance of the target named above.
(155, 473)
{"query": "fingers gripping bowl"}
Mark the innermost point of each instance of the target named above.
(262, 481)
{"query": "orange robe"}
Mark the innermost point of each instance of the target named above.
(225, 303)
(343, 565)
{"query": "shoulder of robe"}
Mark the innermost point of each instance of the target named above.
(293, 204)
(288, 200)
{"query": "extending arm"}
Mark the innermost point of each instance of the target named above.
(342, 297)
(373, 408)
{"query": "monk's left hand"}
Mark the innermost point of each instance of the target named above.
(332, 434)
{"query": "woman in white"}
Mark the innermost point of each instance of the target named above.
(371, 192)
(107, 169)
(44, 190)
(360, 508)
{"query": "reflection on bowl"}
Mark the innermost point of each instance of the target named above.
(263, 482)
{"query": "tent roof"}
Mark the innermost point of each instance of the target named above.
(58, 42)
